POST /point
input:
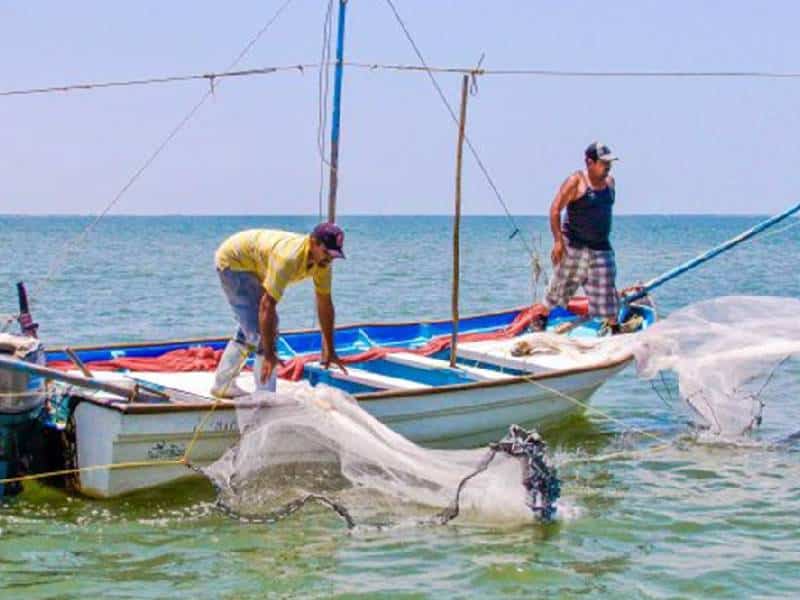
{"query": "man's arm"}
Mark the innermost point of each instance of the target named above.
(268, 325)
(566, 194)
(326, 314)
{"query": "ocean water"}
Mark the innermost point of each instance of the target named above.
(694, 519)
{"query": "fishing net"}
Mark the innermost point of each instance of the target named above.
(318, 443)
(730, 355)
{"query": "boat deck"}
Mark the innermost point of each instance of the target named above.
(401, 371)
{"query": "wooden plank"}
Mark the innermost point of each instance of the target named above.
(434, 364)
(373, 379)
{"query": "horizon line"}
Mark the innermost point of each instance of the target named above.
(294, 215)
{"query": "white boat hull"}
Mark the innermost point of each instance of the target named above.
(454, 417)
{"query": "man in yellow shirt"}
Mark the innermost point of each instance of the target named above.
(254, 268)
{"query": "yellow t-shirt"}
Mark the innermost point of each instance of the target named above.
(277, 258)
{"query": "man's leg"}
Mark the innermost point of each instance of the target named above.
(568, 276)
(246, 307)
(243, 292)
(601, 286)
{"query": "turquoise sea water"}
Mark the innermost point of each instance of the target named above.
(696, 519)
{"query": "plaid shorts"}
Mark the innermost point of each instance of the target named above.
(596, 271)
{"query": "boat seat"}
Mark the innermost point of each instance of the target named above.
(371, 379)
(435, 364)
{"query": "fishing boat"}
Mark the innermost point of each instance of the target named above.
(116, 419)
(127, 417)
(155, 409)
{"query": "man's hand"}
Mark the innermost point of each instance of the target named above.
(332, 357)
(271, 361)
(558, 252)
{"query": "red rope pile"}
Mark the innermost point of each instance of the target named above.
(200, 358)
(204, 358)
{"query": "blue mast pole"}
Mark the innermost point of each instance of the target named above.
(337, 104)
(706, 256)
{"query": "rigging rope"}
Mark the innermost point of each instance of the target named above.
(533, 253)
(323, 95)
(63, 256)
(584, 74)
(210, 77)
(476, 72)
(323, 83)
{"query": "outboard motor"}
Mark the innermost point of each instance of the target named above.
(22, 400)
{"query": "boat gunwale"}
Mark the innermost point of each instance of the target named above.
(119, 346)
(141, 408)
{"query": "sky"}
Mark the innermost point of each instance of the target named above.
(723, 146)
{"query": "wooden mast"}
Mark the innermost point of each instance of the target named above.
(457, 220)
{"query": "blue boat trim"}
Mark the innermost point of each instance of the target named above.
(349, 339)
(377, 378)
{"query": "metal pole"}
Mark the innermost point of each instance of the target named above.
(337, 102)
(131, 394)
(457, 220)
(706, 256)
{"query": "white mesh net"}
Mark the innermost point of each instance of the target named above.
(727, 354)
(317, 440)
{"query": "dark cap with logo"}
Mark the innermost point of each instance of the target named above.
(332, 237)
(598, 151)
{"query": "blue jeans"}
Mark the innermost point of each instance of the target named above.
(244, 292)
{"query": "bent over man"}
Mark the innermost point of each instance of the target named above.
(254, 268)
(582, 253)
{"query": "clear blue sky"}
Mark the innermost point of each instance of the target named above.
(688, 146)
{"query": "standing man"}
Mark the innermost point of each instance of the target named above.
(582, 253)
(254, 268)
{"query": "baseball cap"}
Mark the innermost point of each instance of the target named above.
(331, 236)
(599, 151)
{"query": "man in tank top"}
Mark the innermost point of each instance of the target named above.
(582, 253)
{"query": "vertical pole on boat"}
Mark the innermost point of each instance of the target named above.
(337, 103)
(26, 323)
(457, 220)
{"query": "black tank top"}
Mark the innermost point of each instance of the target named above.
(588, 222)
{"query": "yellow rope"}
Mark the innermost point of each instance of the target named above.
(20, 394)
(586, 406)
(183, 460)
(110, 467)
(217, 400)
(665, 444)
